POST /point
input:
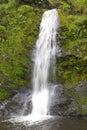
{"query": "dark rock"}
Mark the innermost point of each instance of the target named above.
(59, 102)
(37, 3)
(20, 104)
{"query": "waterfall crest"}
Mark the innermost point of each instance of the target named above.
(45, 52)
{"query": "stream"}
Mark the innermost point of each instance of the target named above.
(53, 123)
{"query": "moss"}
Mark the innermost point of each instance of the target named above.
(36, 3)
(71, 70)
(71, 67)
(3, 94)
(74, 43)
(79, 98)
(18, 32)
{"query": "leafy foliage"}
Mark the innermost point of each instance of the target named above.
(18, 32)
(74, 33)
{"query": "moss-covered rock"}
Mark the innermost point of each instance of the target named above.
(18, 32)
(74, 32)
(71, 67)
(36, 3)
(3, 94)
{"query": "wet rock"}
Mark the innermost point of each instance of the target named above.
(59, 102)
(20, 104)
(69, 101)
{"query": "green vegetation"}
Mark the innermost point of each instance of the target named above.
(72, 67)
(3, 94)
(18, 32)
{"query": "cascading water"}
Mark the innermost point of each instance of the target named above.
(45, 53)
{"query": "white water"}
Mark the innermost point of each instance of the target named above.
(45, 53)
(44, 57)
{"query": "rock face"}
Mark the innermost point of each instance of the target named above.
(19, 27)
(70, 101)
(19, 104)
(38, 3)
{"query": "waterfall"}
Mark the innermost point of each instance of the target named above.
(45, 53)
(44, 63)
